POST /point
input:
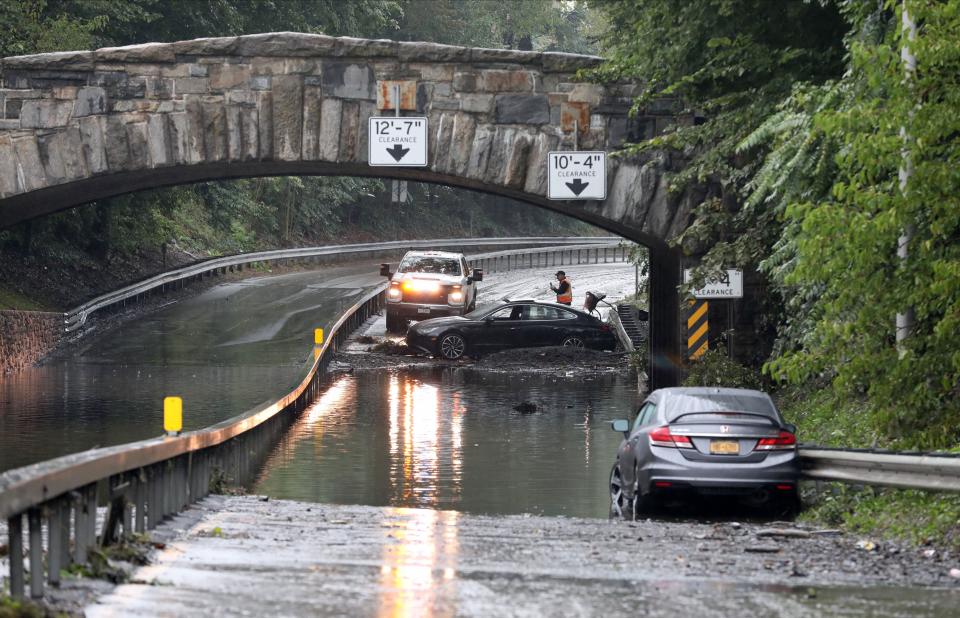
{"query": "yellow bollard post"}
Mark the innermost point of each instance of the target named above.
(318, 336)
(172, 415)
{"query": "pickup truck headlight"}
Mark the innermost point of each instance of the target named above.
(394, 294)
(455, 297)
(417, 285)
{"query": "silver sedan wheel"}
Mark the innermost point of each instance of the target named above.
(573, 342)
(617, 501)
(452, 347)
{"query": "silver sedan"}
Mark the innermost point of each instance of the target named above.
(700, 442)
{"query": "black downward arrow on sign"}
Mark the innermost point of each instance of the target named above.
(577, 186)
(398, 152)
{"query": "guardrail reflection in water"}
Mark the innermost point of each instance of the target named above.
(145, 482)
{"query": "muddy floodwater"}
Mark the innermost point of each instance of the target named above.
(223, 351)
(450, 439)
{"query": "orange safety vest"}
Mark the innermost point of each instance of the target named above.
(566, 297)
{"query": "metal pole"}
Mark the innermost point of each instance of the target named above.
(904, 321)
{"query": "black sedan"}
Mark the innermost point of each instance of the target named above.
(705, 441)
(510, 324)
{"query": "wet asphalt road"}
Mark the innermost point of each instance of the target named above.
(236, 556)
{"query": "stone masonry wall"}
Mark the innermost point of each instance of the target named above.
(292, 98)
(26, 337)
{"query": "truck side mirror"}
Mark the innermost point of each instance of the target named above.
(477, 275)
(385, 270)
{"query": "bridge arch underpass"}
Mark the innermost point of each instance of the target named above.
(81, 126)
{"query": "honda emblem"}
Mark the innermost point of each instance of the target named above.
(724, 428)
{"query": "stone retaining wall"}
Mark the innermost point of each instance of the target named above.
(26, 337)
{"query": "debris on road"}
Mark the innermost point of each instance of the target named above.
(793, 533)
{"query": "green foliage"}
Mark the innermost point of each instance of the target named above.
(846, 243)
(19, 609)
(37, 25)
(520, 24)
(715, 368)
(914, 516)
(732, 75)
(827, 418)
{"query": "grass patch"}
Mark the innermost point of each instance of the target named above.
(915, 516)
(21, 609)
(13, 300)
(826, 418)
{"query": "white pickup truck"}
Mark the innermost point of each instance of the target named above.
(429, 284)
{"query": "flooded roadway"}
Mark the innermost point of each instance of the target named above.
(224, 351)
(451, 446)
(450, 439)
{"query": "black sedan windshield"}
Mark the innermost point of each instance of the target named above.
(432, 265)
(483, 310)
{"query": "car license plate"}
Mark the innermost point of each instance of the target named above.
(423, 309)
(724, 447)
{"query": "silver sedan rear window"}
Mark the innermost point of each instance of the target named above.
(675, 405)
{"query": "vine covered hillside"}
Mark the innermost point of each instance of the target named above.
(829, 151)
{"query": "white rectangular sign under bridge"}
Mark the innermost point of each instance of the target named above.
(577, 175)
(397, 141)
(729, 284)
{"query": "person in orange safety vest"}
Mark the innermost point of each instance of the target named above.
(564, 290)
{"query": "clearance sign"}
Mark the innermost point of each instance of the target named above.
(728, 285)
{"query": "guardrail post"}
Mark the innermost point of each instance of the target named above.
(66, 507)
(152, 492)
(79, 539)
(139, 502)
(54, 542)
(36, 553)
(15, 546)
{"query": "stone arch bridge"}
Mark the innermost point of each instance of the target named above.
(80, 126)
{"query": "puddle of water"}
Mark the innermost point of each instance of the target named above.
(451, 440)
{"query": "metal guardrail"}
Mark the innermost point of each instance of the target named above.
(554, 256)
(940, 472)
(75, 318)
(145, 482)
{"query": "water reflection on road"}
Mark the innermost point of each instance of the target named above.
(452, 440)
(418, 576)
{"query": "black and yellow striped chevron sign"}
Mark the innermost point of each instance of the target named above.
(698, 329)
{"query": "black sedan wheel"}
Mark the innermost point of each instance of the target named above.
(619, 505)
(452, 346)
(572, 342)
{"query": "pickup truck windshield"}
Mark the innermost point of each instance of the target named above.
(432, 265)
